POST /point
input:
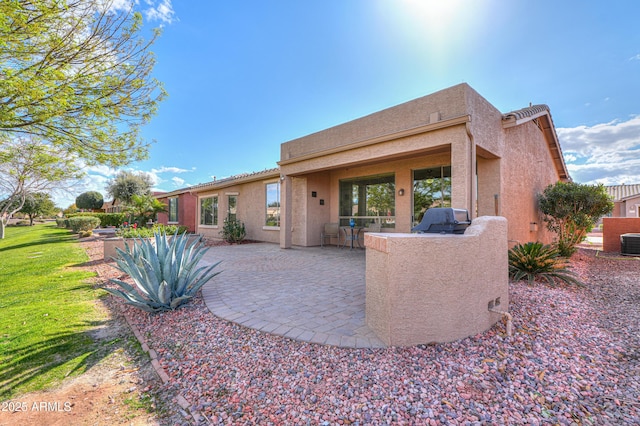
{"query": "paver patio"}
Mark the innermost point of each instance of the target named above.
(309, 294)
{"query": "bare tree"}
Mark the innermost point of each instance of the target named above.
(26, 167)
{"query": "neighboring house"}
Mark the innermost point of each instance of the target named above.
(114, 206)
(626, 200)
(451, 149)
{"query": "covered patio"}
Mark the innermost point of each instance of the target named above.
(308, 294)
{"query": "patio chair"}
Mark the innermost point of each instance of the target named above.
(330, 230)
(372, 227)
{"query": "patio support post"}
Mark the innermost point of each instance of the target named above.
(462, 176)
(286, 217)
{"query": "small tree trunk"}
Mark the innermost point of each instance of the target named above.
(2, 225)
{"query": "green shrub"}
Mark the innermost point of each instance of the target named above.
(111, 219)
(62, 222)
(138, 232)
(83, 223)
(533, 261)
(233, 231)
(106, 219)
(164, 274)
(90, 200)
(85, 234)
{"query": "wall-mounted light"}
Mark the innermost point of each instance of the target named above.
(281, 177)
(401, 192)
(533, 226)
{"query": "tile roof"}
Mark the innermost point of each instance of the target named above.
(236, 178)
(221, 182)
(619, 192)
(541, 116)
(527, 113)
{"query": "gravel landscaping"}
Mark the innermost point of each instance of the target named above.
(573, 359)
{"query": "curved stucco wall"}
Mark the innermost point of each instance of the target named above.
(424, 288)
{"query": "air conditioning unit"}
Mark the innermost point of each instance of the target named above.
(630, 244)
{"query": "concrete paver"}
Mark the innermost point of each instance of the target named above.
(309, 294)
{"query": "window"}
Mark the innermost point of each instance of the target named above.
(232, 207)
(209, 211)
(431, 188)
(368, 199)
(173, 209)
(273, 204)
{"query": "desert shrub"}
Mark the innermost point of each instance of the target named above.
(165, 274)
(533, 261)
(83, 223)
(571, 210)
(85, 234)
(233, 231)
(62, 222)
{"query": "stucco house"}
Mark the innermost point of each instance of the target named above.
(626, 200)
(451, 148)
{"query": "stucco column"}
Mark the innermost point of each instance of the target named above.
(286, 216)
(462, 175)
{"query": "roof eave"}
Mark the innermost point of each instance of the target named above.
(542, 118)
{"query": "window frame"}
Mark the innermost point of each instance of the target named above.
(359, 186)
(171, 209)
(235, 206)
(277, 212)
(445, 190)
(214, 210)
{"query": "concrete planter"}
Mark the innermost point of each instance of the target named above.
(110, 244)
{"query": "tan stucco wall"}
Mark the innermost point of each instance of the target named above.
(447, 103)
(527, 169)
(494, 170)
(251, 210)
(423, 288)
(630, 207)
(404, 179)
(317, 214)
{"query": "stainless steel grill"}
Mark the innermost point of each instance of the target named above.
(443, 220)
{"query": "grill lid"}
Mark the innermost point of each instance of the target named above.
(443, 220)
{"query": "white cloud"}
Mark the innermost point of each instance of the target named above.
(605, 153)
(165, 169)
(161, 12)
(101, 170)
(98, 176)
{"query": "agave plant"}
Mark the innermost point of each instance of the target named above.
(165, 274)
(533, 261)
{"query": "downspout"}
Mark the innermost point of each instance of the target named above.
(473, 208)
(492, 305)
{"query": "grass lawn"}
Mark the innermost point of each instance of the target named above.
(47, 308)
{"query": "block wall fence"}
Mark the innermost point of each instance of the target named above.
(613, 227)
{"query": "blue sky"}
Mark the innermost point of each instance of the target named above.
(245, 76)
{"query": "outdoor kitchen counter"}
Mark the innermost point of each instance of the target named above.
(424, 288)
